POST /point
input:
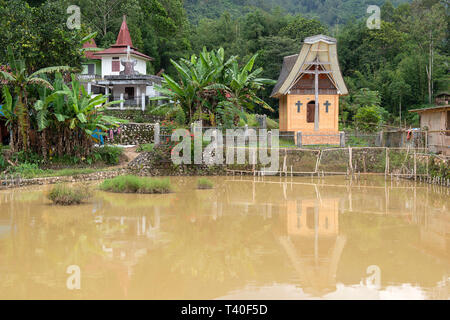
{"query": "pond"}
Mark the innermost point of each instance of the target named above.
(247, 238)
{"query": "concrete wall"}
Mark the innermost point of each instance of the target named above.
(328, 121)
(292, 120)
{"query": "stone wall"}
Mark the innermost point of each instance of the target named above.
(135, 116)
(132, 134)
(17, 182)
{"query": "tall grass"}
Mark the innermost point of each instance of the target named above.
(64, 194)
(134, 184)
(203, 183)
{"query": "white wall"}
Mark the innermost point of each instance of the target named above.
(141, 65)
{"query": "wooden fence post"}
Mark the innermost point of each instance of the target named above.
(415, 165)
(386, 169)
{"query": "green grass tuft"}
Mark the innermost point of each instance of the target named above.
(204, 183)
(64, 194)
(134, 184)
(148, 147)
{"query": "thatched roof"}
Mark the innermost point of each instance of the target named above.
(320, 47)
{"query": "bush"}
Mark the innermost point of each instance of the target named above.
(25, 170)
(134, 184)
(203, 183)
(107, 154)
(369, 119)
(148, 147)
(64, 194)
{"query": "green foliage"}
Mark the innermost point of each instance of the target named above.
(39, 35)
(368, 119)
(24, 170)
(204, 183)
(213, 89)
(108, 154)
(134, 184)
(148, 147)
(64, 194)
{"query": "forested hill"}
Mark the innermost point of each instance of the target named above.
(330, 12)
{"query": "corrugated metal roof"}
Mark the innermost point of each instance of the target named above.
(288, 64)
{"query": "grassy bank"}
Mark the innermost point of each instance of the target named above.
(204, 183)
(134, 184)
(63, 194)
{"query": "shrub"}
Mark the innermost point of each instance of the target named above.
(25, 170)
(107, 154)
(148, 147)
(369, 118)
(134, 184)
(203, 183)
(64, 194)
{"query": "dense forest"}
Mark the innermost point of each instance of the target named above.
(330, 12)
(398, 67)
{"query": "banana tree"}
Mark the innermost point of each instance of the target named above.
(74, 115)
(19, 78)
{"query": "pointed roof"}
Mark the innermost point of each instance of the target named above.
(319, 48)
(122, 43)
(124, 38)
(90, 54)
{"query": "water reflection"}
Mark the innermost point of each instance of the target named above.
(270, 238)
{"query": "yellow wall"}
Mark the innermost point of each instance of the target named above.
(291, 120)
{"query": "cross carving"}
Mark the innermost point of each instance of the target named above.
(327, 104)
(298, 104)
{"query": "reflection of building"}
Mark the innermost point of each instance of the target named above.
(312, 242)
(306, 217)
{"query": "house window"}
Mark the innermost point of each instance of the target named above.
(91, 68)
(310, 112)
(115, 64)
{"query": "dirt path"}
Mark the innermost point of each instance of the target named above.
(129, 155)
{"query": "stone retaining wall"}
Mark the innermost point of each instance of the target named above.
(132, 134)
(136, 116)
(17, 182)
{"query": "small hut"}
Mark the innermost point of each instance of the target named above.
(308, 90)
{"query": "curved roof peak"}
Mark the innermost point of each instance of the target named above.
(320, 37)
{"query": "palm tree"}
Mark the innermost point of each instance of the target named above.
(20, 80)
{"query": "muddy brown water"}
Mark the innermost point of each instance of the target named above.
(248, 238)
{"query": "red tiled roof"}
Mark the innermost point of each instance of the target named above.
(124, 39)
(122, 42)
(90, 54)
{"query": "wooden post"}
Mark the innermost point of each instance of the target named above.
(415, 165)
(143, 102)
(350, 160)
(386, 169)
(316, 92)
(121, 101)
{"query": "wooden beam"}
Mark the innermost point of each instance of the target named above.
(313, 72)
(316, 91)
(317, 63)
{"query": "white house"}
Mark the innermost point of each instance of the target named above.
(124, 72)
